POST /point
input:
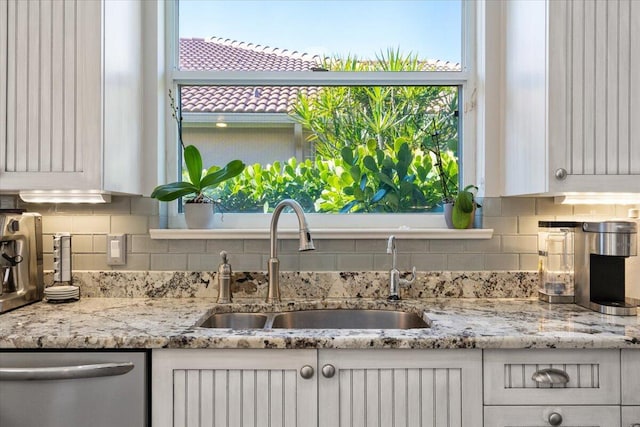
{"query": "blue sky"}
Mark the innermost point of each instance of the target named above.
(430, 28)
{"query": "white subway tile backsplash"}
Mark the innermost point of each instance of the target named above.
(82, 243)
(546, 206)
(483, 246)
(129, 224)
(91, 224)
(429, 262)
(168, 262)
(186, 246)
(501, 262)
(216, 246)
(520, 244)
(138, 262)
(449, 246)
(465, 262)
(144, 243)
(100, 244)
(528, 262)
(319, 262)
(517, 206)
(513, 245)
(52, 224)
(354, 262)
(382, 262)
(502, 224)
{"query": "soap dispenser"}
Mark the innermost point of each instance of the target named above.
(224, 280)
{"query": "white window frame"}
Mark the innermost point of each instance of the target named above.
(343, 225)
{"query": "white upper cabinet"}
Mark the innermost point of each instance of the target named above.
(71, 92)
(571, 96)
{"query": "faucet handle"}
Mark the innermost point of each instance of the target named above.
(405, 282)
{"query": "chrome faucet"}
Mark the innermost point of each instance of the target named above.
(306, 244)
(394, 274)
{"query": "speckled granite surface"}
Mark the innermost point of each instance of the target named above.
(305, 285)
(170, 322)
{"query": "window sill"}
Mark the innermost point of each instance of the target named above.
(325, 233)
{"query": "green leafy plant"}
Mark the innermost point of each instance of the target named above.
(199, 179)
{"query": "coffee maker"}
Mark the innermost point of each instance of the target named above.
(602, 274)
(20, 259)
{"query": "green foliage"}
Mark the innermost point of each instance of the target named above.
(199, 179)
(393, 147)
(259, 188)
(378, 149)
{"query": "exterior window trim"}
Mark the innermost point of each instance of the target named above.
(465, 79)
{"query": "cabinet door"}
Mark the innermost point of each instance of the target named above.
(631, 416)
(630, 368)
(400, 388)
(50, 94)
(233, 388)
(595, 138)
(544, 416)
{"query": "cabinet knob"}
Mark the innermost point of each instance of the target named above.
(328, 371)
(555, 419)
(306, 372)
(561, 174)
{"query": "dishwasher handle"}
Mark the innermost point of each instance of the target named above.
(65, 372)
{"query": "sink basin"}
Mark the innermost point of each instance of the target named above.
(348, 319)
(236, 321)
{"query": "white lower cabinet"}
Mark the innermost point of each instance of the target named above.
(400, 388)
(631, 416)
(206, 388)
(577, 388)
(544, 416)
(326, 388)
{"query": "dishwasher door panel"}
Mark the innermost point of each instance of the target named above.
(84, 389)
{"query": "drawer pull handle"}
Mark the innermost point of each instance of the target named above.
(550, 376)
(555, 419)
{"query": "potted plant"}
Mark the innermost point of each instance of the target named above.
(459, 205)
(199, 208)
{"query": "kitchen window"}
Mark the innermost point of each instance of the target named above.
(304, 113)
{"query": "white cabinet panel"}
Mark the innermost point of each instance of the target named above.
(631, 416)
(216, 388)
(538, 416)
(59, 93)
(572, 83)
(400, 387)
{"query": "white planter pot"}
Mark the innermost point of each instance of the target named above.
(199, 215)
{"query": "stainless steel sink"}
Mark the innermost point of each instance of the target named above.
(348, 319)
(236, 321)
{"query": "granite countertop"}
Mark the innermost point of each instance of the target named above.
(170, 323)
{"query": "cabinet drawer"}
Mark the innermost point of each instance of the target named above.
(544, 416)
(631, 416)
(593, 377)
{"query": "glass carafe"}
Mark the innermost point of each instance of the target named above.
(556, 263)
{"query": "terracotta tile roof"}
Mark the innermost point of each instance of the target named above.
(229, 55)
(240, 99)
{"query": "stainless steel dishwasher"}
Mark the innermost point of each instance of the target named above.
(73, 389)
